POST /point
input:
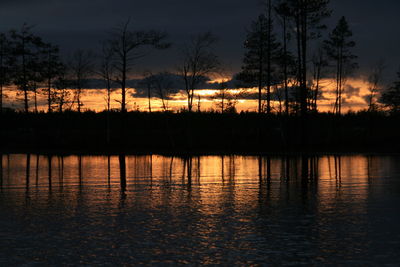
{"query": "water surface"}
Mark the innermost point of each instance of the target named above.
(158, 210)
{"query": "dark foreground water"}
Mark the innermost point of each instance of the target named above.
(203, 210)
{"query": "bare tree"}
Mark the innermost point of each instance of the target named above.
(81, 67)
(52, 69)
(260, 58)
(338, 47)
(4, 65)
(280, 95)
(128, 47)
(283, 12)
(226, 99)
(62, 94)
(374, 85)
(199, 61)
(26, 61)
(221, 95)
(106, 71)
(307, 16)
(148, 81)
(319, 62)
(164, 85)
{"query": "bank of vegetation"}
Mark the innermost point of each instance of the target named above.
(193, 132)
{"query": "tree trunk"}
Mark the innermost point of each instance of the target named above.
(269, 69)
(285, 67)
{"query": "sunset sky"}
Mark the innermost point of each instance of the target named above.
(74, 24)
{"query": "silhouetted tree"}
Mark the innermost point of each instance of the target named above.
(391, 97)
(161, 84)
(107, 70)
(199, 61)
(128, 47)
(374, 85)
(52, 68)
(148, 83)
(1, 171)
(338, 48)
(319, 62)
(198, 103)
(81, 66)
(122, 171)
(261, 56)
(283, 11)
(226, 100)
(307, 16)
(279, 94)
(26, 61)
(62, 95)
(5, 54)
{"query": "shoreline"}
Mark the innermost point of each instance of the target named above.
(199, 133)
(192, 153)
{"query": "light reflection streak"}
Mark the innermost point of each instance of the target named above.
(209, 181)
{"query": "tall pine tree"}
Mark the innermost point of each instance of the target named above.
(391, 97)
(338, 48)
(260, 59)
(307, 16)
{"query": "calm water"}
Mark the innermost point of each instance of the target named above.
(227, 210)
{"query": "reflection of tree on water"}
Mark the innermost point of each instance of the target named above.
(228, 182)
(27, 179)
(151, 171)
(191, 175)
(309, 177)
(295, 173)
(285, 175)
(264, 178)
(122, 171)
(171, 164)
(28, 169)
(223, 169)
(8, 166)
(61, 172)
(49, 168)
(304, 174)
(231, 170)
(191, 171)
(198, 169)
(1, 171)
(187, 166)
(37, 169)
(337, 170)
(80, 171)
(109, 171)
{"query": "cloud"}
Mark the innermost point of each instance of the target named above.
(351, 91)
(83, 23)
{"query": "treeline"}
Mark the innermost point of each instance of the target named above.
(188, 132)
(286, 59)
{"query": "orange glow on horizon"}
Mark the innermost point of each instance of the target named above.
(354, 95)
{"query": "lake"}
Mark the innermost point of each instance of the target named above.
(230, 210)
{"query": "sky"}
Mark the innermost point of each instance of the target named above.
(74, 24)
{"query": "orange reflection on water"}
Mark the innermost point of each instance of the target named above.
(210, 181)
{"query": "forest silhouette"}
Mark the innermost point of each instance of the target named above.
(288, 52)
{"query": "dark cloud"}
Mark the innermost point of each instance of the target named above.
(83, 23)
(352, 91)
